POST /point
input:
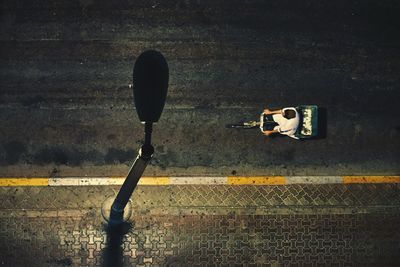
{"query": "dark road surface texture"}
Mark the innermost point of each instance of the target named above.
(66, 106)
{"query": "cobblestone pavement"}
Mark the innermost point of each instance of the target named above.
(292, 225)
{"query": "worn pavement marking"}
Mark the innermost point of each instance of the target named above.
(24, 181)
(314, 180)
(197, 180)
(370, 179)
(257, 180)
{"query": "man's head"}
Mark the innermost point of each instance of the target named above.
(289, 114)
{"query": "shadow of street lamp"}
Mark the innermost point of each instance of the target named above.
(112, 255)
(150, 86)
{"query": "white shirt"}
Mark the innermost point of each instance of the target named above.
(287, 126)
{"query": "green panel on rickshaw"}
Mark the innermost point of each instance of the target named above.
(308, 121)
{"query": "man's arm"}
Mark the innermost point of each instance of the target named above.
(268, 111)
(268, 133)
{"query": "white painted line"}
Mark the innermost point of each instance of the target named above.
(114, 181)
(198, 180)
(79, 181)
(63, 181)
(313, 179)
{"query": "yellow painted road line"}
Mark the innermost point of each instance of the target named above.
(370, 179)
(24, 181)
(154, 181)
(222, 180)
(256, 180)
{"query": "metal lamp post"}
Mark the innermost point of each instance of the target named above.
(150, 86)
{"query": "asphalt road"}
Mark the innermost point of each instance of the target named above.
(66, 107)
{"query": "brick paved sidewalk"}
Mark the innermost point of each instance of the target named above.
(204, 225)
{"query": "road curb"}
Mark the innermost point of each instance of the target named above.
(198, 180)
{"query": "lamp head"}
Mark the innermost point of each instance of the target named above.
(150, 85)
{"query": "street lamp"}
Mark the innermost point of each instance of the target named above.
(150, 86)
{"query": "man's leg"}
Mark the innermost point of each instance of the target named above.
(269, 123)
